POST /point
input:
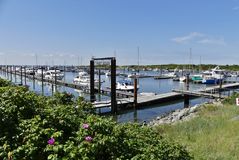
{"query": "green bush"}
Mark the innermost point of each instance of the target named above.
(232, 99)
(63, 98)
(4, 83)
(36, 127)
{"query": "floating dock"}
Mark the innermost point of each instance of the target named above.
(209, 92)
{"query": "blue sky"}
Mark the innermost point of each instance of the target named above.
(68, 31)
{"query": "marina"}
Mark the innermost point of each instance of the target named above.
(146, 95)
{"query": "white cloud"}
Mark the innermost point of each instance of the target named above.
(188, 38)
(219, 41)
(1, 53)
(196, 37)
(235, 8)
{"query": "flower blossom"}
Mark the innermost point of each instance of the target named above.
(88, 138)
(86, 126)
(51, 141)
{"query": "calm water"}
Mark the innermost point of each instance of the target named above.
(146, 85)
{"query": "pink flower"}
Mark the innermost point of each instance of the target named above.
(88, 138)
(86, 126)
(51, 141)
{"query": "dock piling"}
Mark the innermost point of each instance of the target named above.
(33, 77)
(21, 75)
(186, 96)
(15, 72)
(92, 81)
(42, 83)
(113, 86)
(135, 92)
(25, 76)
(11, 73)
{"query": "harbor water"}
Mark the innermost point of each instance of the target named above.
(145, 85)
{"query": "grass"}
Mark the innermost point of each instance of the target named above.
(211, 135)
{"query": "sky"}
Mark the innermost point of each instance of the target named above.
(71, 32)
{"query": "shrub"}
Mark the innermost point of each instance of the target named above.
(33, 127)
(63, 98)
(4, 83)
(232, 99)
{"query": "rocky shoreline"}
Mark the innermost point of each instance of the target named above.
(179, 115)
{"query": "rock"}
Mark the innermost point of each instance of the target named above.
(175, 116)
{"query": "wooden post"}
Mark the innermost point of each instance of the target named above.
(42, 83)
(11, 73)
(92, 81)
(21, 75)
(25, 75)
(186, 96)
(7, 72)
(15, 70)
(113, 86)
(64, 73)
(99, 83)
(135, 92)
(33, 77)
(220, 88)
(55, 80)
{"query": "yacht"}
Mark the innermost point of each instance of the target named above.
(197, 78)
(38, 72)
(52, 74)
(213, 76)
(173, 74)
(136, 75)
(30, 71)
(182, 79)
(125, 85)
(83, 79)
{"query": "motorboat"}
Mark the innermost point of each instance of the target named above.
(83, 79)
(182, 79)
(125, 85)
(108, 73)
(197, 78)
(173, 74)
(213, 76)
(30, 71)
(136, 75)
(39, 73)
(54, 74)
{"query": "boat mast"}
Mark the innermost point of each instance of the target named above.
(190, 60)
(138, 59)
(36, 59)
(200, 67)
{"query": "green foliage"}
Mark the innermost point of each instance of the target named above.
(28, 121)
(64, 98)
(232, 99)
(4, 83)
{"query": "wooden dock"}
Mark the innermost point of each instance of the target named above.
(209, 92)
(144, 100)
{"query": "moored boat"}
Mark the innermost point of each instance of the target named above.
(125, 85)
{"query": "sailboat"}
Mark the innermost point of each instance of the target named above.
(136, 74)
(184, 77)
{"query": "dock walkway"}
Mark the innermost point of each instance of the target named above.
(210, 92)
